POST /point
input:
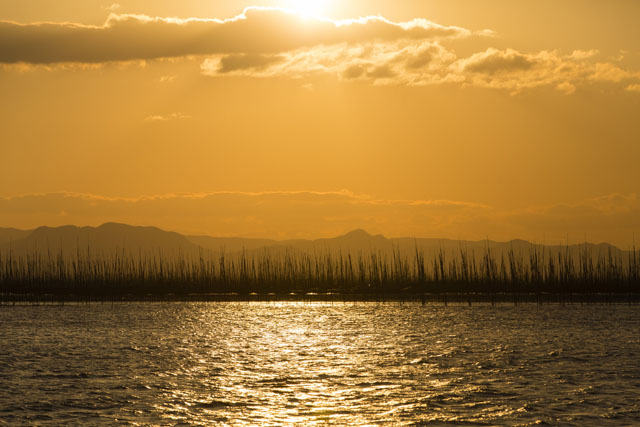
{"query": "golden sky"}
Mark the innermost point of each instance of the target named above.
(433, 118)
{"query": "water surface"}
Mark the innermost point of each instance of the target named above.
(319, 364)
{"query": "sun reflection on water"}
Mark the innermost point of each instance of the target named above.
(322, 363)
(285, 362)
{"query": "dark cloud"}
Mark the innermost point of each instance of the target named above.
(237, 62)
(381, 72)
(354, 71)
(423, 56)
(495, 61)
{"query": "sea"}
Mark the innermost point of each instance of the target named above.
(319, 363)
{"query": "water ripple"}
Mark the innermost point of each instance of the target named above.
(319, 364)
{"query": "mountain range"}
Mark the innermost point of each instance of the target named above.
(112, 238)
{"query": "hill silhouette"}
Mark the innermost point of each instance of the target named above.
(106, 239)
(112, 238)
(8, 235)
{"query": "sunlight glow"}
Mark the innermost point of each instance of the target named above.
(310, 8)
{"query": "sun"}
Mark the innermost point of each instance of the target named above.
(310, 8)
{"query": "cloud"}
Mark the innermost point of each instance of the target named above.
(614, 217)
(414, 63)
(271, 42)
(515, 71)
(113, 7)
(285, 214)
(487, 32)
(494, 61)
(612, 73)
(168, 117)
(566, 87)
(422, 56)
(381, 72)
(257, 31)
(354, 71)
(311, 214)
(237, 62)
(168, 79)
(633, 88)
(402, 62)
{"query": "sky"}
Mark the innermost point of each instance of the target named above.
(460, 119)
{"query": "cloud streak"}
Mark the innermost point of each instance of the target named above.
(257, 31)
(311, 214)
(166, 118)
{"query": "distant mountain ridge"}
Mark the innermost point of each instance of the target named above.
(8, 235)
(113, 238)
(107, 239)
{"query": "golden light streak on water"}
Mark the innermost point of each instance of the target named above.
(319, 364)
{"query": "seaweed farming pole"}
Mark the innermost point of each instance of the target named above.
(121, 273)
